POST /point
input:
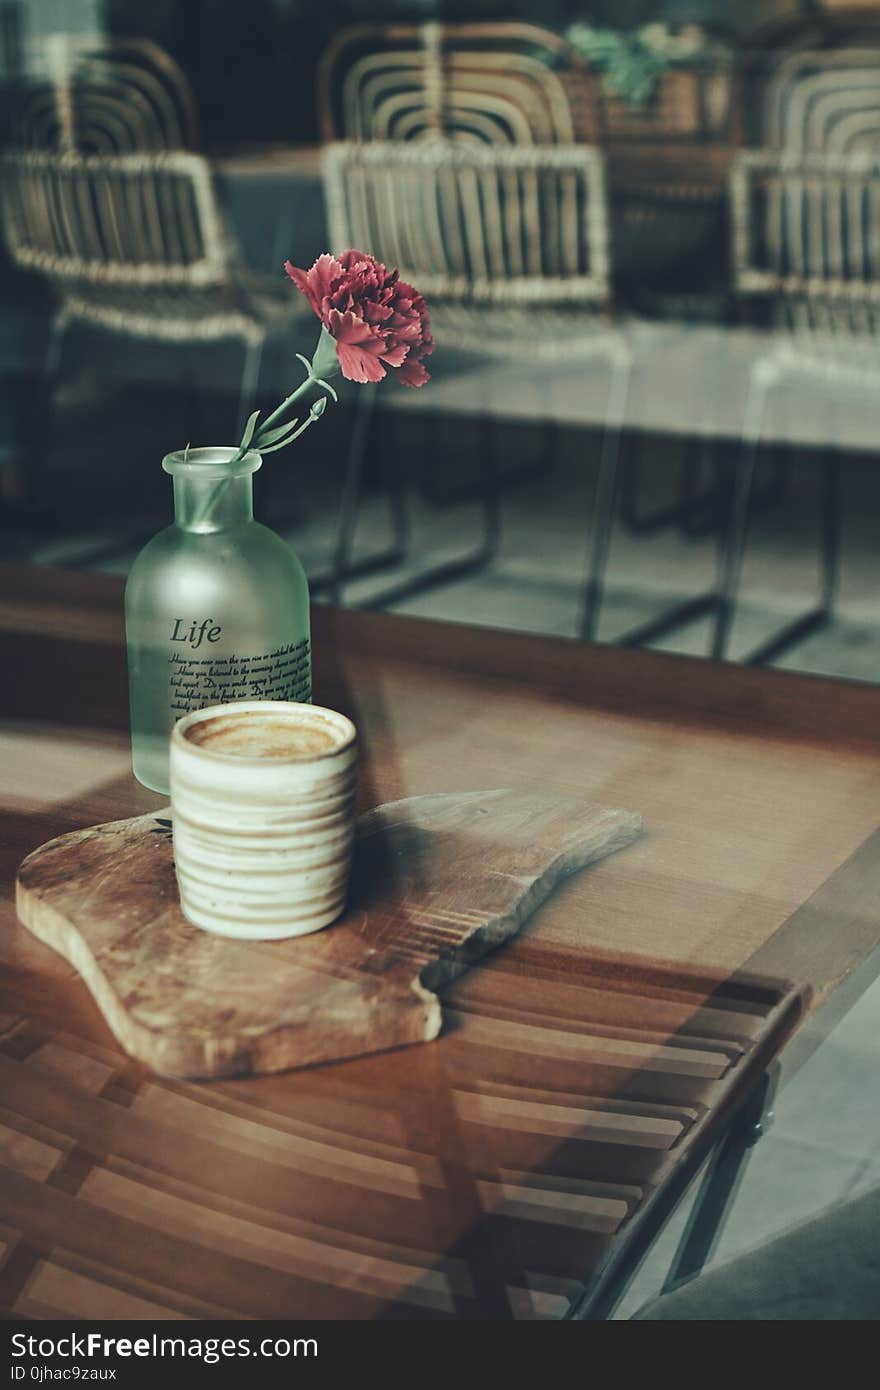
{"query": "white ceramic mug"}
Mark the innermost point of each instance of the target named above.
(262, 803)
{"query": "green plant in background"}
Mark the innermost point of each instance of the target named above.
(633, 61)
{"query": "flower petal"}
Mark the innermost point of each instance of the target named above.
(413, 373)
(318, 282)
(395, 354)
(358, 347)
(357, 365)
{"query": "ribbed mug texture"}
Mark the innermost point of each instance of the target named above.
(263, 845)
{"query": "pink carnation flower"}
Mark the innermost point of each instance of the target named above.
(377, 319)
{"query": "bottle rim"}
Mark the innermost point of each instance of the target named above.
(211, 461)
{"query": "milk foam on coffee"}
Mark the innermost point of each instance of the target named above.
(252, 734)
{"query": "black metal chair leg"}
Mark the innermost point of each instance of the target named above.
(694, 510)
(689, 483)
(55, 348)
(51, 381)
(606, 486)
(704, 507)
(20, 488)
(447, 572)
(670, 620)
(344, 567)
(397, 506)
(550, 440)
(491, 490)
(639, 522)
(734, 534)
(351, 491)
(721, 1182)
(830, 521)
(250, 379)
(635, 520)
(829, 568)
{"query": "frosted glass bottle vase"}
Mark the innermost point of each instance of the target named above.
(216, 608)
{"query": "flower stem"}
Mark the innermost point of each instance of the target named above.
(288, 401)
(311, 380)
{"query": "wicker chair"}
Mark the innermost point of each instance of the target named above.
(492, 83)
(790, 62)
(104, 198)
(103, 96)
(503, 82)
(510, 244)
(135, 244)
(806, 252)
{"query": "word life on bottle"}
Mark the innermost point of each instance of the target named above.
(206, 631)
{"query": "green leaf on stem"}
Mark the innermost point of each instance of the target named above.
(319, 381)
(325, 362)
(316, 376)
(273, 448)
(249, 431)
(272, 436)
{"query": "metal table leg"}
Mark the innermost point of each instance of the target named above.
(606, 486)
(734, 538)
(721, 1182)
(727, 1162)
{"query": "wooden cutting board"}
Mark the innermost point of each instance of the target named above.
(438, 881)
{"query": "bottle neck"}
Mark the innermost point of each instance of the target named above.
(213, 488)
(212, 504)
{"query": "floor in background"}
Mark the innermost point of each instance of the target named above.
(535, 584)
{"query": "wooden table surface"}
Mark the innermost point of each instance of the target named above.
(463, 1177)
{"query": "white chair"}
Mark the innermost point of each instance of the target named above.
(104, 197)
(135, 244)
(509, 244)
(805, 210)
(806, 244)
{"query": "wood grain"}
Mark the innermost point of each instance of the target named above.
(489, 1172)
(438, 881)
(481, 1175)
